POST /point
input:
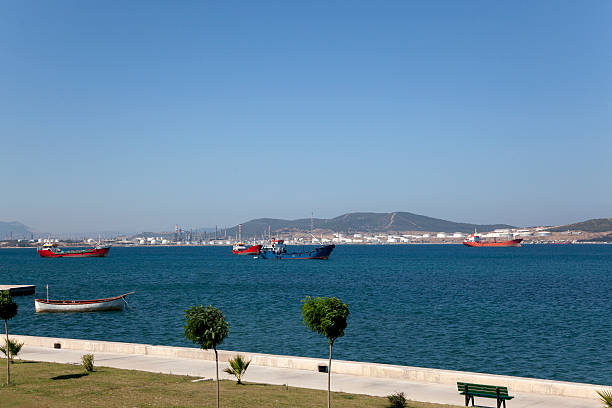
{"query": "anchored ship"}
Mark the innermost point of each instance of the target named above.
(474, 240)
(241, 248)
(276, 249)
(51, 250)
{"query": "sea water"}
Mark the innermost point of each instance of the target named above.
(542, 311)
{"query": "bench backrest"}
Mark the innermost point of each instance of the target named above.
(482, 389)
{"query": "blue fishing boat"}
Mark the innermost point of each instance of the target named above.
(276, 250)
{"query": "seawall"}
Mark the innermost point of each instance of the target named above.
(375, 370)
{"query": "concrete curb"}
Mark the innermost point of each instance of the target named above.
(395, 372)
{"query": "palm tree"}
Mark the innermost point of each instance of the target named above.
(237, 368)
(14, 347)
(606, 397)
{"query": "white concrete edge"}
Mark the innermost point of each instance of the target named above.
(395, 372)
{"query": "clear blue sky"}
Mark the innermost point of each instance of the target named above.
(138, 115)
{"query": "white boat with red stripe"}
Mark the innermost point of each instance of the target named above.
(91, 305)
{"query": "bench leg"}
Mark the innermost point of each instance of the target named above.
(472, 400)
(467, 400)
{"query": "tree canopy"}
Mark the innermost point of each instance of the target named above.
(205, 326)
(326, 316)
(8, 308)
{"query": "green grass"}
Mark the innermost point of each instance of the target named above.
(49, 385)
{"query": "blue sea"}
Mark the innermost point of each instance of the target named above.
(542, 311)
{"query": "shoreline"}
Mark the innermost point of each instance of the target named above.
(363, 370)
(84, 245)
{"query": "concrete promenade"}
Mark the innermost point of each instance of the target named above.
(293, 377)
(19, 290)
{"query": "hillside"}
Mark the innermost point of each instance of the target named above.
(363, 222)
(594, 225)
(18, 229)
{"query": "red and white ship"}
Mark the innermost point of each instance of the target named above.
(241, 248)
(51, 250)
(474, 240)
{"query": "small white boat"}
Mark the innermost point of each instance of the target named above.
(93, 305)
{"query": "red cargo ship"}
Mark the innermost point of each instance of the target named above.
(241, 249)
(51, 250)
(473, 240)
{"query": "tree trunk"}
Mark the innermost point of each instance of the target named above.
(8, 356)
(217, 363)
(329, 376)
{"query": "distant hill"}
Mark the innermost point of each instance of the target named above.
(594, 225)
(18, 229)
(363, 222)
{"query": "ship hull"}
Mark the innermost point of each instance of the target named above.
(510, 243)
(252, 250)
(87, 253)
(67, 306)
(317, 253)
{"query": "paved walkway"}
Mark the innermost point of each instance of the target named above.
(427, 392)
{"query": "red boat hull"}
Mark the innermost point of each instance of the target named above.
(86, 253)
(252, 250)
(511, 243)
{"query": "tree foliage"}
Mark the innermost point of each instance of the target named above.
(326, 316)
(605, 397)
(205, 326)
(398, 400)
(8, 308)
(87, 362)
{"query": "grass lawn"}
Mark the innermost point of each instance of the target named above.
(39, 385)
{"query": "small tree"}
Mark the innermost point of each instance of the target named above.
(87, 362)
(13, 347)
(237, 368)
(397, 400)
(8, 310)
(206, 327)
(326, 316)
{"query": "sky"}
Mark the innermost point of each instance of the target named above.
(135, 116)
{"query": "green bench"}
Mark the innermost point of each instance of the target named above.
(486, 391)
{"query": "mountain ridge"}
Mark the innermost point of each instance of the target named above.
(592, 225)
(18, 230)
(397, 221)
